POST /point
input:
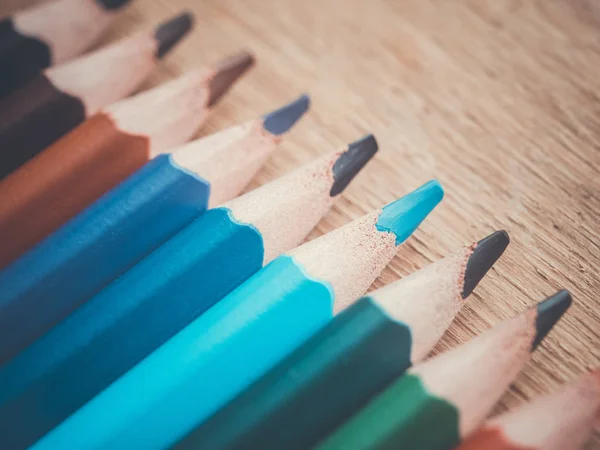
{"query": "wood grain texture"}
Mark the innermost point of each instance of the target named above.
(498, 99)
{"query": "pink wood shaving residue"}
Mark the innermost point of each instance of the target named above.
(228, 160)
(427, 300)
(475, 375)
(560, 421)
(287, 209)
(349, 258)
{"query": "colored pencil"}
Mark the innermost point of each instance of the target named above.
(101, 152)
(238, 339)
(327, 379)
(441, 401)
(126, 224)
(164, 292)
(560, 421)
(62, 97)
(50, 33)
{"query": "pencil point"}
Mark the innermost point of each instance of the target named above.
(485, 255)
(171, 32)
(403, 216)
(281, 120)
(228, 71)
(549, 311)
(113, 4)
(351, 162)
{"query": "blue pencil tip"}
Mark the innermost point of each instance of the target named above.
(403, 216)
(281, 120)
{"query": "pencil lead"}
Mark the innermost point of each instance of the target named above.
(485, 255)
(281, 120)
(171, 32)
(549, 311)
(403, 216)
(228, 71)
(351, 162)
(113, 4)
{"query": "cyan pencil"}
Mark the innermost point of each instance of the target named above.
(164, 292)
(339, 369)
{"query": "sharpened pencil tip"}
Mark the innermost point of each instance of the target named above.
(349, 163)
(113, 4)
(549, 311)
(485, 255)
(403, 216)
(227, 72)
(171, 32)
(281, 120)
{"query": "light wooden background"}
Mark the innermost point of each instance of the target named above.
(498, 99)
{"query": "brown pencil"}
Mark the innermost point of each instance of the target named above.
(48, 34)
(560, 421)
(105, 149)
(56, 101)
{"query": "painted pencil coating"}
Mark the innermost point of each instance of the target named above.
(95, 247)
(136, 313)
(61, 98)
(560, 421)
(140, 419)
(47, 34)
(126, 224)
(454, 390)
(314, 389)
(97, 155)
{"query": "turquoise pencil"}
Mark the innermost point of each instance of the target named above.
(210, 361)
(164, 292)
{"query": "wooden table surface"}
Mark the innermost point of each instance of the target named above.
(497, 99)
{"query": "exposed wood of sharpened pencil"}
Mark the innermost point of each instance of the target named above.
(104, 150)
(48, 34)
(62, 97)
(129, 222)
(137, 313)
(367, 346)
(563, 420)
(260, 314)
(452, 392)
(230, 158)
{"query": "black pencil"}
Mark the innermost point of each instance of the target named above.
(62, 97)
(48, 34)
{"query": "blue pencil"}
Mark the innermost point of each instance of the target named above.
(163, 293)
(219, 354)
(126, 224)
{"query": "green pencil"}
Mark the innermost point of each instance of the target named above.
(439, 402)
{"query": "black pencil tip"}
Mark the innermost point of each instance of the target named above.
(485, 255)
(227, 72)
(281, 120)
(170, 33)
(113, 4)
(549, 311)
(351, 162)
